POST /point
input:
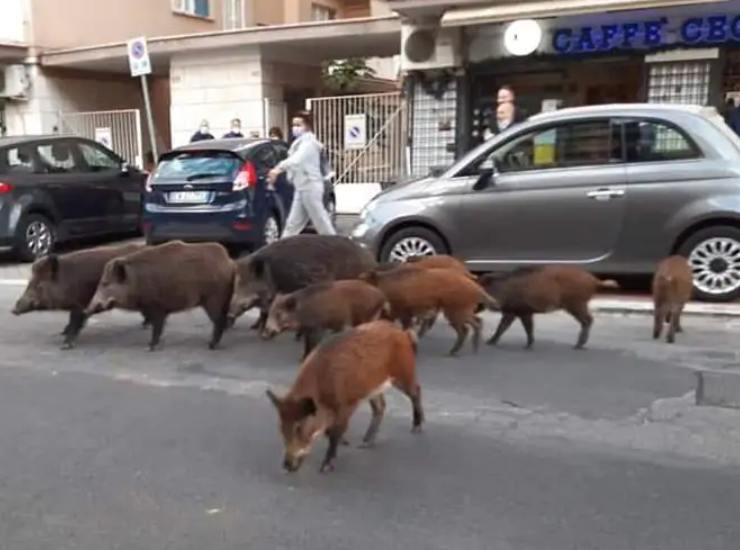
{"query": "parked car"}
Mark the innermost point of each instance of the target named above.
(58, 188)
(614, 188)
(217, 190)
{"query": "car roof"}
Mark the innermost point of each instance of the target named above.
(22, 140)
(228, 144)
(625, 109)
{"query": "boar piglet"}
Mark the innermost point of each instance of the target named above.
(343, 371)
(67, 283)
(672, 287)
(325, 306)
(531, 290)
(292, 264)
(419, 293)
(166, 279)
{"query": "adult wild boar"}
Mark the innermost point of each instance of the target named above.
(673, 284)
(169, 278)
(292, 264)
(336, 377)
(67, 282)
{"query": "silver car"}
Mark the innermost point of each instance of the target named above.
(613, 188)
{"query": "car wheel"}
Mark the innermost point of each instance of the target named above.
(35, 237)
(271, 230)
(714, 255)
(412, 241)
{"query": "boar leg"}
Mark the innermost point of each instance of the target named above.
(583, 316)
(218, 312)
(261, 321)
(462, 333)
(335, 434)
(413, 391)
(506, 320)
(658, 317)
(77, 321)
(157, 320)
(377, 404)
(477, 324)
(527, 320)
(675, 323)
(311, 339)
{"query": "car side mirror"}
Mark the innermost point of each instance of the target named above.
(485, 179)
(125, 168)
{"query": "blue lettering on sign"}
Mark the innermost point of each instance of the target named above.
(650, 34)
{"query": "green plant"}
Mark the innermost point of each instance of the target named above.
(342, 75)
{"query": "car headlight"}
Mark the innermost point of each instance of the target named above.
(369, 207)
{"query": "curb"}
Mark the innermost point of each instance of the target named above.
(645, 307)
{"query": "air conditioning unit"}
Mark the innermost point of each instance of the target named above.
(14, 82)
(429, 47)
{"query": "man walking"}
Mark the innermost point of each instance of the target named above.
(303, 167)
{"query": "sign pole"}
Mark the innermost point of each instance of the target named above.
(149, 117)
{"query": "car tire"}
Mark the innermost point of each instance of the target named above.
(35, 237)
(714, 255)
(271, 230)
(412, 241)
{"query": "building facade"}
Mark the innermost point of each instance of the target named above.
(569, 53)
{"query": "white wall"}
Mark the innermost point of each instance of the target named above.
(13, 18)
(217, 87)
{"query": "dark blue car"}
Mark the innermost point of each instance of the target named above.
(217, 191)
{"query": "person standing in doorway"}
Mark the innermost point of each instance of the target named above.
(203, 133)
(236, 130)
(505, 110)
(303, 167)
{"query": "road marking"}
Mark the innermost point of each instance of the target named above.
(13, 282)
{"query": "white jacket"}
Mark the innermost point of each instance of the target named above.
(303, 164)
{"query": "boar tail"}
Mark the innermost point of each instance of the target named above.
(489, 301)
(414, 339)
(610, 284)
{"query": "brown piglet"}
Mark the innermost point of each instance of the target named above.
(169, 278)
(673, 284)
(67, 282)
(531, 290)
(325, 306)
(419, 293)
(335, 378)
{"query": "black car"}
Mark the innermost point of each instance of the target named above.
(58, 188)
(217, 191)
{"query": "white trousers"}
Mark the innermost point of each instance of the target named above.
(308, 205)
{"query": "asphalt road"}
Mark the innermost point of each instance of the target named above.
(110, 446)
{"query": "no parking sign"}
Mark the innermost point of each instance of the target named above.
(138, 57)
(355, 131)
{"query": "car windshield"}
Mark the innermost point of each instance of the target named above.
(198, 165)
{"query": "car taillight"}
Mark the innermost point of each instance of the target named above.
(246, 178)
(5, 188)
(148, 184)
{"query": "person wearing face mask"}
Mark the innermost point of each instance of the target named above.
(236, 130)
(303, 166)
(203, 133)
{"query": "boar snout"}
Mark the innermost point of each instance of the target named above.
(100, 305)
(292, 463)
(23, 306)
(238, 307)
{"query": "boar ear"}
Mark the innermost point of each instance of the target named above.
(119, 271)
(308, 407)
(274, 398)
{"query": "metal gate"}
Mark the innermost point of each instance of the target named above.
(122, 128)
(381, 159)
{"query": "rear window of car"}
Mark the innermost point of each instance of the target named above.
(198, 166)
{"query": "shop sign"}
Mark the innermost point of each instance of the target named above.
(648, 34)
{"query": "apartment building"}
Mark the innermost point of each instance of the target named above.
(214, 59)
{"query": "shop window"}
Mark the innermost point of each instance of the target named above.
(569, 145)
(233, 14)
(650, 141)
(681, 82)
(198, 8)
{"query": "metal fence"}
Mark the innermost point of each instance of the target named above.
(122, 128)
(381, 158)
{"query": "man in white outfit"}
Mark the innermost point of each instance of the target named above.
(303, 167)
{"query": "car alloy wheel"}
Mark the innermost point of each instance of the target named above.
(409, 247)
(271, 230)
(716, 265)
(39, 238)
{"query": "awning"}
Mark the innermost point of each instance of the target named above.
(551, 8)
(309, 43)
(11, 52)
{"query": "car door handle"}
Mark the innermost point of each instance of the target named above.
(605, 194)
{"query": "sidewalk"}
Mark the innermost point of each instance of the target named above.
(631, 303)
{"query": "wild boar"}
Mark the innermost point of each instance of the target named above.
(531, 290)
(169, 278)
(67, 282)
(291, 264)
(358, 364)
(325, 306)
(673, 284)
(418, 293)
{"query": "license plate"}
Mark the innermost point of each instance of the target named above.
(191, 197)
